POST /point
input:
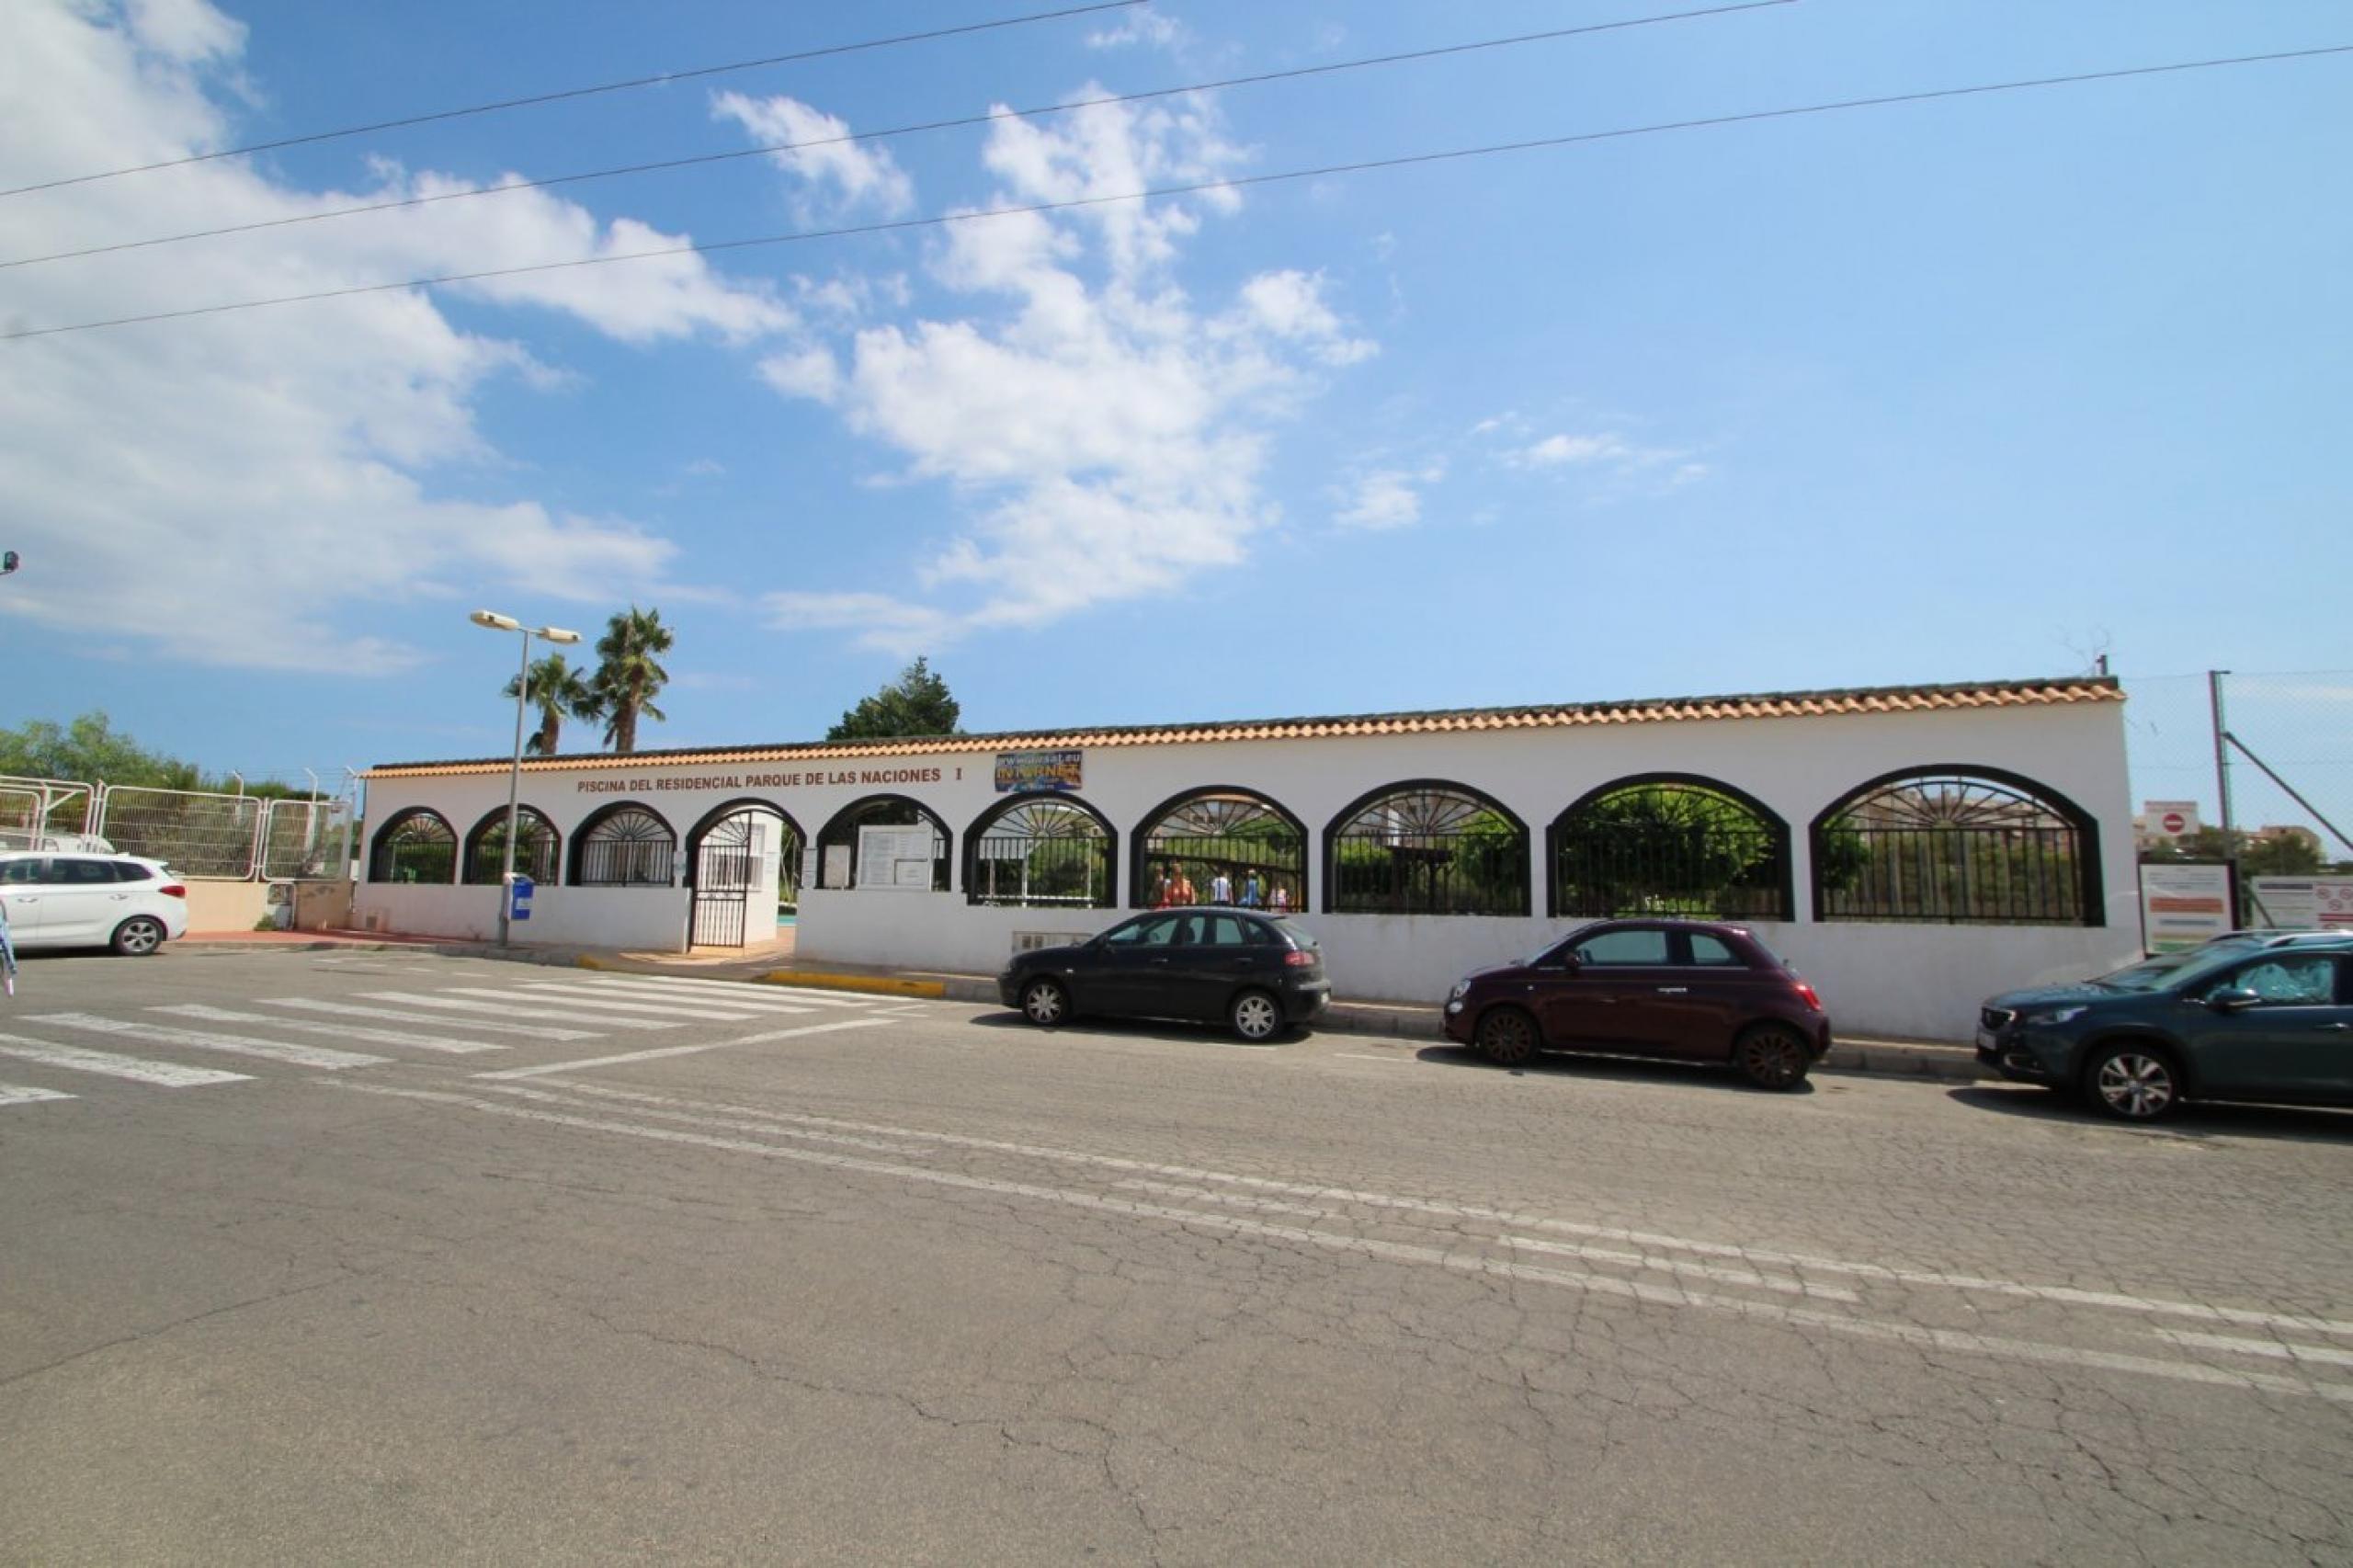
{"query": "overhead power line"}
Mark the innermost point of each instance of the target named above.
(561, 94)
(963, 120)
(1236, 182)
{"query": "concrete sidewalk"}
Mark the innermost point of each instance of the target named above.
(777, 964)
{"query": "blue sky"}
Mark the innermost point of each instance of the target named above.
(1963, 389)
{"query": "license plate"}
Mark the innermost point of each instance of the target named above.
(1984, 1039)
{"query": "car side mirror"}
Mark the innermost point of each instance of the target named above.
(2237, 1001)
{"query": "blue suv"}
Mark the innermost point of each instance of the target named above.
(2246, 1017)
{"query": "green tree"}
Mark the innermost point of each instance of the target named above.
(917, 703)
(90, 750)
(559, 692)
(630, 674)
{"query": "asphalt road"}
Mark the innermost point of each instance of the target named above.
(849, 1278)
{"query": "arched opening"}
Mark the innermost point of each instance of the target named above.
(415, 845)
(743, 863)
(1049, 851)
(1957, 844)
(1426, 846)
(1220, 836)
(536, 847)
(884, 841)
(624, 845)
(1669, 844)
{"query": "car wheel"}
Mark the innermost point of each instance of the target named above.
(138, 937)
(2132, 1082)
(1254, 1016)
(1045, 1003)
(1508, 1037)
(1772, 1057)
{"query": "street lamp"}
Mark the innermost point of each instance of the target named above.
(497, 622)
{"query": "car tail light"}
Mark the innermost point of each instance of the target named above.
(173, 890)
(1300, 958)
(1805, 994)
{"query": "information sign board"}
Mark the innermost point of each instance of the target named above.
(2183, 904)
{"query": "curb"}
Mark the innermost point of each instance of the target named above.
(873, 984)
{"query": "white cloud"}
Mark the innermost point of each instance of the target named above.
(1625, 463)
(240, 488)
(1291, 306)
(856, 175)
(1387, 498)
(1150, 29)
(1554, 452)
(1105, 433)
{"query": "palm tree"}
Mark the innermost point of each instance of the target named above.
(561, 691)
(630, 676)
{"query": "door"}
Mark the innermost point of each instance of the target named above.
(20, 892)
(1135, 967)
(1605, 1001)
(2292, 1042)
(1234, 955)
(81, 901)
(1696, 1012)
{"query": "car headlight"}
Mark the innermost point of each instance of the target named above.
(1460, 988)
(2058, 1015)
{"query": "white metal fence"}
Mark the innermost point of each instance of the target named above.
(196, 833)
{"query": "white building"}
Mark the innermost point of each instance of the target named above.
(1909, 850)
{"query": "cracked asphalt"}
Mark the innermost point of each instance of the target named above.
(411, 1280)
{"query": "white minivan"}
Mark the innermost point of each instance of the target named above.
(122, 902)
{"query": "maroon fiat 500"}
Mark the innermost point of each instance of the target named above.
(1678, 990)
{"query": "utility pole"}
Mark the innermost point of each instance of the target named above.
(2223, 785)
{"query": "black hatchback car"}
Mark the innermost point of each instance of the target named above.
(1256, 971)
(2245, 1017)
(1681, 990)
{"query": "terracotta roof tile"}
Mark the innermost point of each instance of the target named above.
(1765, 705)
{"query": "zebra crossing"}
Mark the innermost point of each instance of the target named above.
(68, 1047)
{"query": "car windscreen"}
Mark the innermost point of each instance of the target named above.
(2165, 970)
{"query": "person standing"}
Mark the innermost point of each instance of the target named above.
(1180, 888)
(1220, 889)
(1280, 901)
(1250, 891)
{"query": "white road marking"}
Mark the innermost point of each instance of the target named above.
(570, 1101)
(577, 996)
(618, 1011)
(340, 1030)
(659, 1052)
(1526, 1244)
(514, 1010)
(394, 1014)
(14, 1093)
(317, 1056)
(2278, 1351)
(1754, 1258)
(1455, 1260)
(699, 993)
(1391, 1061)
(73, 1059)
(663, 985)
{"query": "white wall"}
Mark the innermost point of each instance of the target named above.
(645, 919)
(1913, 980)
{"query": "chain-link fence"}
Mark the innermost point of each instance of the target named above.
(304, 839)
(197, 835)
(2286, 741)
(37, 812)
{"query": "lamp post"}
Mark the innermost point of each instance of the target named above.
(497, 622)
